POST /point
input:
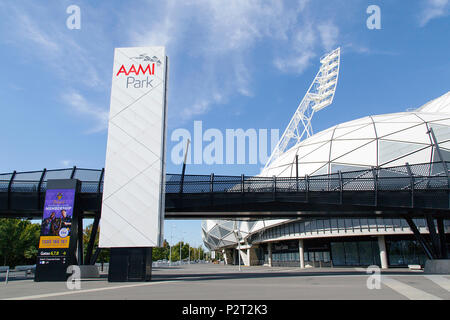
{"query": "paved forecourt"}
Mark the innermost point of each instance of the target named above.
(208, 281)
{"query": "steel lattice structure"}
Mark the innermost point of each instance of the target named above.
(319, 96)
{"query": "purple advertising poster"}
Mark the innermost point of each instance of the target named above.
(57, 219)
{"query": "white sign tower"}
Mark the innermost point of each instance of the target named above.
(133, 190)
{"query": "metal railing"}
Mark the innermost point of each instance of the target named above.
(400, 178)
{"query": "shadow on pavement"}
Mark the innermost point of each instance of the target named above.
(262, 275)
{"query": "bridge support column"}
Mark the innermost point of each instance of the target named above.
(269, 249)
(428, 251)
(245, 256)
(442, 238)
(253, 255)
(90, 248)
(433, 235)
(248, 261)
(301, 252)
(383, 252)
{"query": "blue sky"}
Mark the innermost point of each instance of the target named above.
(233, 64)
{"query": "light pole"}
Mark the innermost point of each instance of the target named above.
(236, 232)
(182, 239)
(171, 243)
(180, 252)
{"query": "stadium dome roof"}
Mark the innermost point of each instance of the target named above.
(439, 105)
(383, 140)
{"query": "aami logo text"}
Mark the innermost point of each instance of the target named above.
(136, 83)
(150, 69)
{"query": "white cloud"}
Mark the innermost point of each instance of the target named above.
(309, 41)
(29, 30)
(76, 60)
(66, 163)
(434, 9)
(80, 106)
(211, 43)
(361, 49)
(218, 39)
(295, 64)
(62, 50)
(329, 34)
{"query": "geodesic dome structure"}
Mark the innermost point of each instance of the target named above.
(221, 233)
(376, 141)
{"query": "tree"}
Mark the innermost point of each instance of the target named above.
(104, 253)
(19, 241)
(197, 253)
(184, 251)
(161, 253)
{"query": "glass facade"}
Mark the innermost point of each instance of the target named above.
(350, 252)
(405, 252)
(355, 253)
(317, 258)
(285, 254)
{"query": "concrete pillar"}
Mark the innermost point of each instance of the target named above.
(301, 251)
(244, 256)
(383, 252)
(247, 260)
(269, 248)
(252, 255)
(225, 256)
(228, 256)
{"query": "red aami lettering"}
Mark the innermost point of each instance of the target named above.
(122, 70)
(132, 69)
(151, 71)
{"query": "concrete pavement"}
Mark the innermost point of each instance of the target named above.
(212, 282)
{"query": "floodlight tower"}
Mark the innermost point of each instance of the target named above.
(319, 96)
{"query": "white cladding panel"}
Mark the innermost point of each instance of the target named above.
(133, 190)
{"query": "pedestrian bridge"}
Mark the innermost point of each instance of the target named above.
(401, 191)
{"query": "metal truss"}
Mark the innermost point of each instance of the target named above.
(319, 96)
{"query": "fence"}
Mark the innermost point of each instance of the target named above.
(406, 177)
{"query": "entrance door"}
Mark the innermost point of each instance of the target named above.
(318, 259)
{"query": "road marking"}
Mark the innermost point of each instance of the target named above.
(65, 293)
(440, 281)
(410, 292)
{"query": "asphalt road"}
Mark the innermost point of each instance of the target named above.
(211, 282)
